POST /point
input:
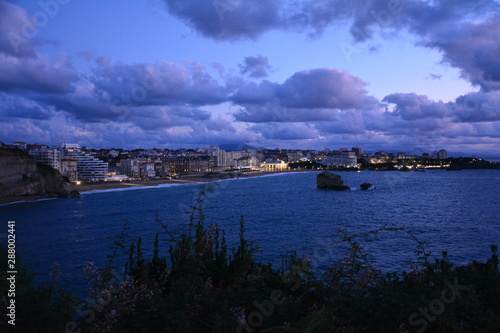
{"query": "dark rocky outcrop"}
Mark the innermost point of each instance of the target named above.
(74, 194)
(62, 194)
(20, 175)
(331, 181)
(365, 186)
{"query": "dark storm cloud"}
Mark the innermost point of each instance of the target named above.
(256, 67)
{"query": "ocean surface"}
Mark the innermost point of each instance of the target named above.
(456, 212)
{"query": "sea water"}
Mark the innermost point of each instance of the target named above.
(456, 212)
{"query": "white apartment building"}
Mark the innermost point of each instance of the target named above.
(229, 158)
(440, 155)
(344, 159)
(89, 168)
(147, 170)
(248, 162)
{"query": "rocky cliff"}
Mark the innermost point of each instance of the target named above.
(20, 175)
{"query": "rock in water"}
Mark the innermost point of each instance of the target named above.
(329, 180)
(74, 194)
(365, 186)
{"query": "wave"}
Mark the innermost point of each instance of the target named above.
(24, 201)
(371, 188)
(259, 176)
(133, 188)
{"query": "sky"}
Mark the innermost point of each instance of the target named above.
(394, 75)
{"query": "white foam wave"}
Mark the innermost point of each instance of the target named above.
(22, 201)
(133, 188)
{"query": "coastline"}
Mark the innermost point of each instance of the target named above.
(185, 179)
(89, 188)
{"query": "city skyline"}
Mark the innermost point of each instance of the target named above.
(403, 75)
(360, 151)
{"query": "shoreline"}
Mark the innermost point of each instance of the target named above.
(184, 180)
(90, 188)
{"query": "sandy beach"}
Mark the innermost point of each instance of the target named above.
(185, 179)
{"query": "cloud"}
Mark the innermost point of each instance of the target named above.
(14, 106)
(45, 99)
(473, 47)
(103, 61)
(280, 131)
(87, 55)
(348, 122)
(411, 106)
(478, 107)
(435, 76)
(308, 95)
(16, 31)
(155, 117)
(256, 67)
(466, 32)
(37, 74)
(162, 83)
(253, 93)
(228, 19)
(21, 67)
(273, 112)
(325, 88)
(473, 107)
(247, 19)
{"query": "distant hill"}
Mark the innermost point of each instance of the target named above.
(461, 154)
(238, 146)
